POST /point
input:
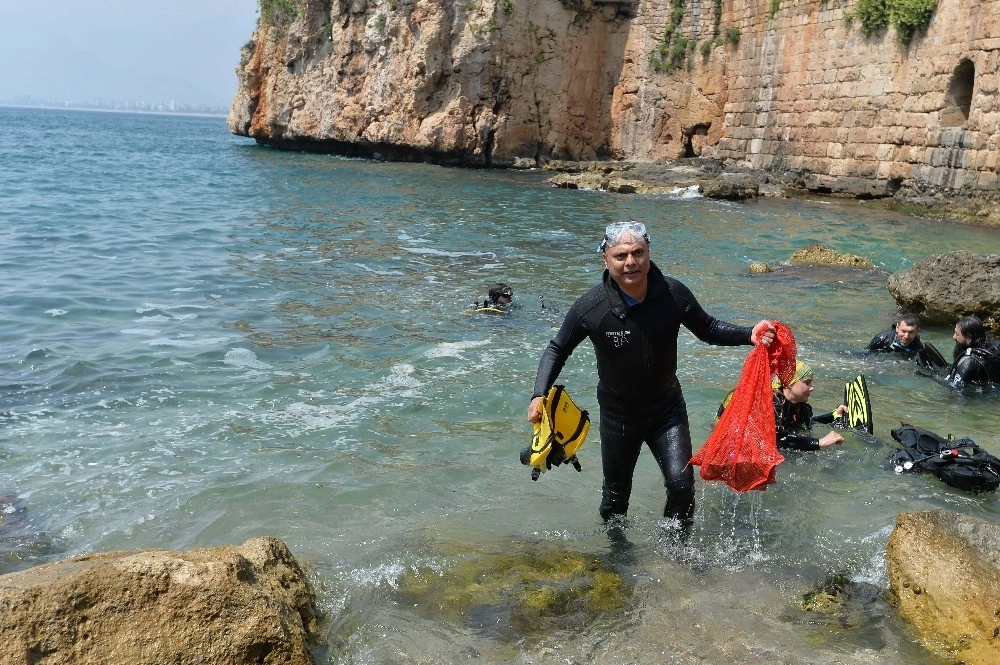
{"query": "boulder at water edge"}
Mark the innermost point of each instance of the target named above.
(819, 255)
(944, 571)
(233, 605)
(943, 287)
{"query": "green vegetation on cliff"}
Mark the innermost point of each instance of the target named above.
(275, 12)
(908, 16)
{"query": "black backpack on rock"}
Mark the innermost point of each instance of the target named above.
(958, 462)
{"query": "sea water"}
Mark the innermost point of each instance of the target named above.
(205, 340)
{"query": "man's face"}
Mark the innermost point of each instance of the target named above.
(960, 338)
(628, 262)
(905, 333)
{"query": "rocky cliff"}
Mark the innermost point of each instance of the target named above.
(815, 87)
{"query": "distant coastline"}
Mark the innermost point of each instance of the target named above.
(169, 108)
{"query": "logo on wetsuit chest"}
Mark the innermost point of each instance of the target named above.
(618, 338)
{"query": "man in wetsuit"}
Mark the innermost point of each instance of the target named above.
(976, 359)
(633, 318)
(903, 338)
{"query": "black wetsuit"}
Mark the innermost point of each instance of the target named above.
(791, 419)
(885, 341)
(977, 366)
(638, 391)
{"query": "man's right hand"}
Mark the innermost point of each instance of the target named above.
(535, 410)
(831, 439)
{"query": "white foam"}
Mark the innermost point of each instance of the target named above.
(149, 307)
(188, 343)
(690, 192)
(453, 349)
(378, 272)
(244, 358)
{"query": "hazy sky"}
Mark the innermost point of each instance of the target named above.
(150, 50)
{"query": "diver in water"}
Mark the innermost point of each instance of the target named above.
(499, 298)
(903, 338)
(976, 360)
(793, 415)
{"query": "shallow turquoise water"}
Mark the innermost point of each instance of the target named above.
(205, 340)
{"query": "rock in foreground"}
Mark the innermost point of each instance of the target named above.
(233, 605)
(944, 570)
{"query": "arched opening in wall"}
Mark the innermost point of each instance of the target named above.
(695, 139)
(958, 100)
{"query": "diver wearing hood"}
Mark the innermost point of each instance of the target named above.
(499, 297)
(793, 414)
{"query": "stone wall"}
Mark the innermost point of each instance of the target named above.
(519, 82)
(807, 90)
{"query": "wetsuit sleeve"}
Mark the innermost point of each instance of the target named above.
(822, 419)
(880, 342)
(798, 442)
(706, 327)
(784, 418)
(558, 350)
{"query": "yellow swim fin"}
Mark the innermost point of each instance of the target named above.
(561, 432)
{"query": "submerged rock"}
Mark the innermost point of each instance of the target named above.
(944, 572)
(233, 605)
(819, 255)
(516, 595)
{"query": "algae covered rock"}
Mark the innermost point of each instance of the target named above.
(514, 595)
(819, 255)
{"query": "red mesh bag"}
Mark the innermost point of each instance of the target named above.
(742, 450)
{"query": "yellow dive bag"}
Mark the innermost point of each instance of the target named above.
(558, 436)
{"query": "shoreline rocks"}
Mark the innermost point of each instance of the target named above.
(944, 573)
(716, 179)
(239, 605)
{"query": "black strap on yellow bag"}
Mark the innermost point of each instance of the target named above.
(558, 436)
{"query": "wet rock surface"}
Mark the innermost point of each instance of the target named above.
(234, 605)
(944, 287)
(944, 573)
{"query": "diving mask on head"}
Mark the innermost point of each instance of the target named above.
(619, 231)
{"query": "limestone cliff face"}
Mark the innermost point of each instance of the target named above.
(793, 85)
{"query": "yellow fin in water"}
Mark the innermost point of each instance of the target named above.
(859, 405)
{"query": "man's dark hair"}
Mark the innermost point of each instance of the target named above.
(909, 319)
(972, 327)
(499, 290)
